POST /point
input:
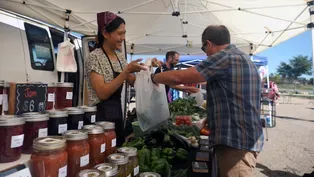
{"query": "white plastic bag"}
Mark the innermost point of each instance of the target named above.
(151, 101)
(199, 98)
(65, 59)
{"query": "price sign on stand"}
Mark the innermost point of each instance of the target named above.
(27, 97)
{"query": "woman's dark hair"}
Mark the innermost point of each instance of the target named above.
(111, 27)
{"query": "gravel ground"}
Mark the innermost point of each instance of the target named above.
(289, 151)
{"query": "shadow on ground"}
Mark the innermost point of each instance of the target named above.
(293, 118)
(275, 173)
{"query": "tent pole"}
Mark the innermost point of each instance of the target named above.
(311, 25)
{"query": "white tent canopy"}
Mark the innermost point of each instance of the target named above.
(153, 29)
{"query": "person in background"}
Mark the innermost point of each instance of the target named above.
(106, 70)
(233, 101)
(172, 59)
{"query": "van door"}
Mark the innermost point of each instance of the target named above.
(40, 66)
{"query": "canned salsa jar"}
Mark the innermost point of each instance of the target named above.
(78, 151)
(51, 96)
(11, 138)
(97, 144)
(111, 138)
(49, 157)
(64, 95)
(75, 118)
(109, 169)
(57, 123)
(36, 125)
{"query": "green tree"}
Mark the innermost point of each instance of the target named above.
(284, 70)
(310, 81)
(275, 78)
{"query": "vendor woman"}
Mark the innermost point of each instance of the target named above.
(106, 70)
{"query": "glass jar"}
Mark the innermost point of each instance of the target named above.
(57, 123)
(1, 95)
(109, 169)
(78, 151)
(51, 96)
(36, 125)
(75, 119)
(149, 174)
(49, 157)
(64, 95)
(97, 144)
(91, 173)
(132, 153)
(5, 97)
(111, 138)
(11, 138)
(89, 114)
(122, 160)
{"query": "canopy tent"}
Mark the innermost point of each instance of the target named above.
(260, 61)
(156, 26)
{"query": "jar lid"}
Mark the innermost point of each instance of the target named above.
(130, 151)
(93, 129)
(108, 168)
(72, 135)
(74, 110)
(89, 108)
(57, 113)
(149, 174)
(11, 120)
(35, 117)
(49, 143)
(65, 84)
(91, 173)
(106, 125)
(118, 159)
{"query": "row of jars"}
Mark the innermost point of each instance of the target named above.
(34, 125)
(59, 96)
(72, 154)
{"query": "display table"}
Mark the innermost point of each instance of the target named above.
(23, 160)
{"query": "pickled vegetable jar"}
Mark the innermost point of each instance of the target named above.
(122, 160)
(132, 153)
(11, 138)
(51, 96)
(49, 157)
(110, 170)
(36, 125)
(75, 119)
(78, 151)
(97, 144)
(111, 138)
(89, 114)
(57, 123)
(1, 95)
(91, 173)
(149, 174)
(64, 95)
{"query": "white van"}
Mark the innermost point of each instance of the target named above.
(28, 51)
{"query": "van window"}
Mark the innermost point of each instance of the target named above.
(39, 48)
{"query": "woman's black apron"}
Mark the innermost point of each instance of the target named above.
(111, 108)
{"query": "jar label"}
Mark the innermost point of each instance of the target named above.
(114, 142)
(103, 148)
(17, 141)
(80, 125)
(1, 97)
(62, 128)
(84, 160)
(22, 173)
(69, 95)
(43, 132)
(63, 171)
(51, 97)
(93, 119)
(136, 170)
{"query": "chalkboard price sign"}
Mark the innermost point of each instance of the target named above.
(30, 98)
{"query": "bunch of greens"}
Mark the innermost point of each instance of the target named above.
(185, 107)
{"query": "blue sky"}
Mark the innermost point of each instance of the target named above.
(299, 45)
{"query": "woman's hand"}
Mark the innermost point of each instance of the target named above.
(134, 66)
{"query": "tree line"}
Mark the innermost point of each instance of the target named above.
(291, 72)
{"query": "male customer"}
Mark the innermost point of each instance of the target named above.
(233, 101)
(172, 59)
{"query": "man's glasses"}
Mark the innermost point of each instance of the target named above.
(204, 47)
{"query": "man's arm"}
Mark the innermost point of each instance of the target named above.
(174, 78)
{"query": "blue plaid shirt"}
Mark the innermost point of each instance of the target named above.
(233, 99)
